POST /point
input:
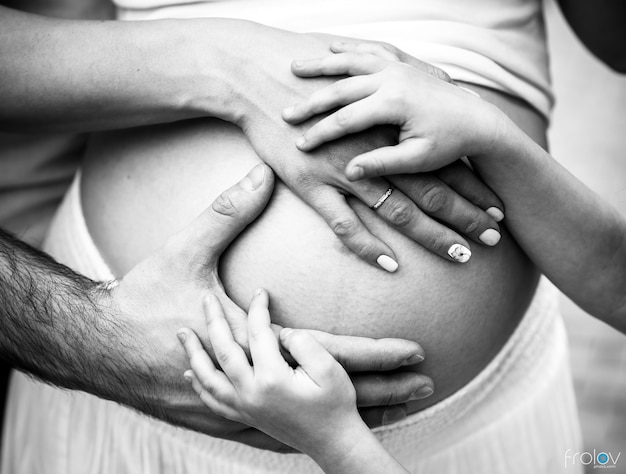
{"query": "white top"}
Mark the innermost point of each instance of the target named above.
(499, 44)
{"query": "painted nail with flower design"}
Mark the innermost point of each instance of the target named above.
(459, 253)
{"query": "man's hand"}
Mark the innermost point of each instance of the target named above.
(167, 291)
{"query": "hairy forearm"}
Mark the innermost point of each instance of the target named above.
(53, 326)
(72, 75)
(575, 238)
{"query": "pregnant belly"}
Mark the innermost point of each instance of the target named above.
(140, 186)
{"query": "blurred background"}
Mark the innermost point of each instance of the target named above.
(588, 135)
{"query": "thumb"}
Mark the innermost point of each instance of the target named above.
(213, 230)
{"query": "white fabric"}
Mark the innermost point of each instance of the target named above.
(517, 416)
(494, 43)
(35, 172)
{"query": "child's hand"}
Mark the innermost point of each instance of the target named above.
(439, 122)
(311, 408)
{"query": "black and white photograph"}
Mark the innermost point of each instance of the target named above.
(312, 236)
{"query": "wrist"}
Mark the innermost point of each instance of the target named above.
(213, 78)
(121, 363)
(492, 134)
(338, 448)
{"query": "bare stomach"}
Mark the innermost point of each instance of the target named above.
(140, 186)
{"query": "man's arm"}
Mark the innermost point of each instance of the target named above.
(52, 324)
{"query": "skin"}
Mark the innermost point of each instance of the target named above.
(310, 407)
(132, 179)
(135, 77)
(95, 337)
(438, 123)
(129, 81)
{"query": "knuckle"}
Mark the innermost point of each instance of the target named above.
(338, 89)
(401, 214)
(344, 227)
(268, 384)
(209, 388)
(434, 199)
(436, 241)
(387, 47)
(223, 358)
(224, 204)
(343, 117)
(473, 224)
(396, 101)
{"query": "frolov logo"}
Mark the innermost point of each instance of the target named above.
(600, 460)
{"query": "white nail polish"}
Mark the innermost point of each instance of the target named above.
(288, 112)
(490, 237)
(387, 263)
(459, 253)
(495, 213)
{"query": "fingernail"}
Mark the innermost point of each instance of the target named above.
(284, 332)
(254, 178)
(490, 237)
(288, 112)
(187, 375)
(414, 359)
(298, 63)
(387, 263)
(356, 172)
(300, 142)
(181, 336)
(495, 213)
(421, 393)
(459, 253)
(393, 415)
(337, 44)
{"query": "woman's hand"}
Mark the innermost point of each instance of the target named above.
(417, 207)
(439, 123)
(311, 407)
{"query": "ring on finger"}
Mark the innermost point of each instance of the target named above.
(382, 199)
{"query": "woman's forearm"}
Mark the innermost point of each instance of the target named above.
(68, 75)
(575, 238)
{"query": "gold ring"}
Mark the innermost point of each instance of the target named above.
(382, 199)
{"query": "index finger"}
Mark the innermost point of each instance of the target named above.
(264, 346)
(230, 356)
